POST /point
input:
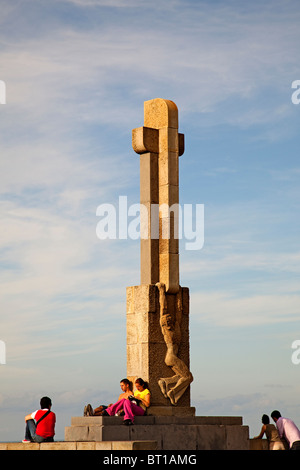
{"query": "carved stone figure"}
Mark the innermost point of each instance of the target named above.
(170, 322)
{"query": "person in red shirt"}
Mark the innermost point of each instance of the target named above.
(40, 425)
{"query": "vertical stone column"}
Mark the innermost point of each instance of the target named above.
(159, 146)
(158, 309)
(145, 142)
(163, 115)
(146, 347)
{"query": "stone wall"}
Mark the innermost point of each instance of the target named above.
(170, 432)
(146, 348)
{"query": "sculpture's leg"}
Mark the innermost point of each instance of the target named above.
(165, 384)
(176, 392)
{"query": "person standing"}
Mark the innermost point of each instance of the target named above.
(274, 441)
(287, 429)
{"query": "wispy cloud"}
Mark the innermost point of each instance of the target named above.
(184, 60)
(77, 73)
(232, 310)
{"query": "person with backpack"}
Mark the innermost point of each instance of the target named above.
(40, 425)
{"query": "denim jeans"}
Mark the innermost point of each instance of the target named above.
(30, 434)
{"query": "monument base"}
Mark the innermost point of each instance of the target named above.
(169, 432)
(171, 411)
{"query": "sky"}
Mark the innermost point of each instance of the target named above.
(77, 73)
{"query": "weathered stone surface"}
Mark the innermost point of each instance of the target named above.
(58, 446)
(258, 444)
(146, 348)
(168, 244)
(211, 437)
(145, 139)
(149, 178)
(168, 169)
(159, 144)
(160, 113)
(163, 414)
(77, 433)
(62, 445)
(169, 271)
(149, 261)
(235, 436)
(22, 446)
(149, 220)
(158, 341)
(170, 432)
(87, 446)
(176, 415)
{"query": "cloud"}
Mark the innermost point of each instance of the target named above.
(235, 404)
(232, 310)
(104, 3)
(77, 73)
(189, 61)
(213, 263)
(55, 272)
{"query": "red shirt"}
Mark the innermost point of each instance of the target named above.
(46, 427)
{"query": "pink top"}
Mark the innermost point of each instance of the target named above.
(288, 429)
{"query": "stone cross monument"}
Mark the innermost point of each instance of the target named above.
(158, 315)
(158, 309)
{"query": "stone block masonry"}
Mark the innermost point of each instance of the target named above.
(158, 309)
(90, 445)
(169, 432)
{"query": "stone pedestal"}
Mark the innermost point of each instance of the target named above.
(158, 312)
(169, 432)
(158, 309)
(146, 347)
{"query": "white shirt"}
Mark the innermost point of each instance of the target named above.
(35, 412)
(288, 429)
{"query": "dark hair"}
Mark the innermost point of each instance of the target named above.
(142, 383)
(275, 414)
(127, 382)
(45, 402)
(265, 419)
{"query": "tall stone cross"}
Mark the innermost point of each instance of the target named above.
(159, 144)
(158, 309)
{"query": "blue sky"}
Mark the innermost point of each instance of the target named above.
(77, 74)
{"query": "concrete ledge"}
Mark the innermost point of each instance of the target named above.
(61, 445)
(180, 411)
(170, 432)
(143, 420)
(259, 444)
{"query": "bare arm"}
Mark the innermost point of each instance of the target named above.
(262, 432)
(28, 417)
(145, 400)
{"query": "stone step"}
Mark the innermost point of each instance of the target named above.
(62, 445)
(142, 420)
(205, 433)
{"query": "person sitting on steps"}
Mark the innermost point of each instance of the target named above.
(40, 425)
(126, 387)
(133, 405)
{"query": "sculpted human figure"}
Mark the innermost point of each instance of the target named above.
(170, 322)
